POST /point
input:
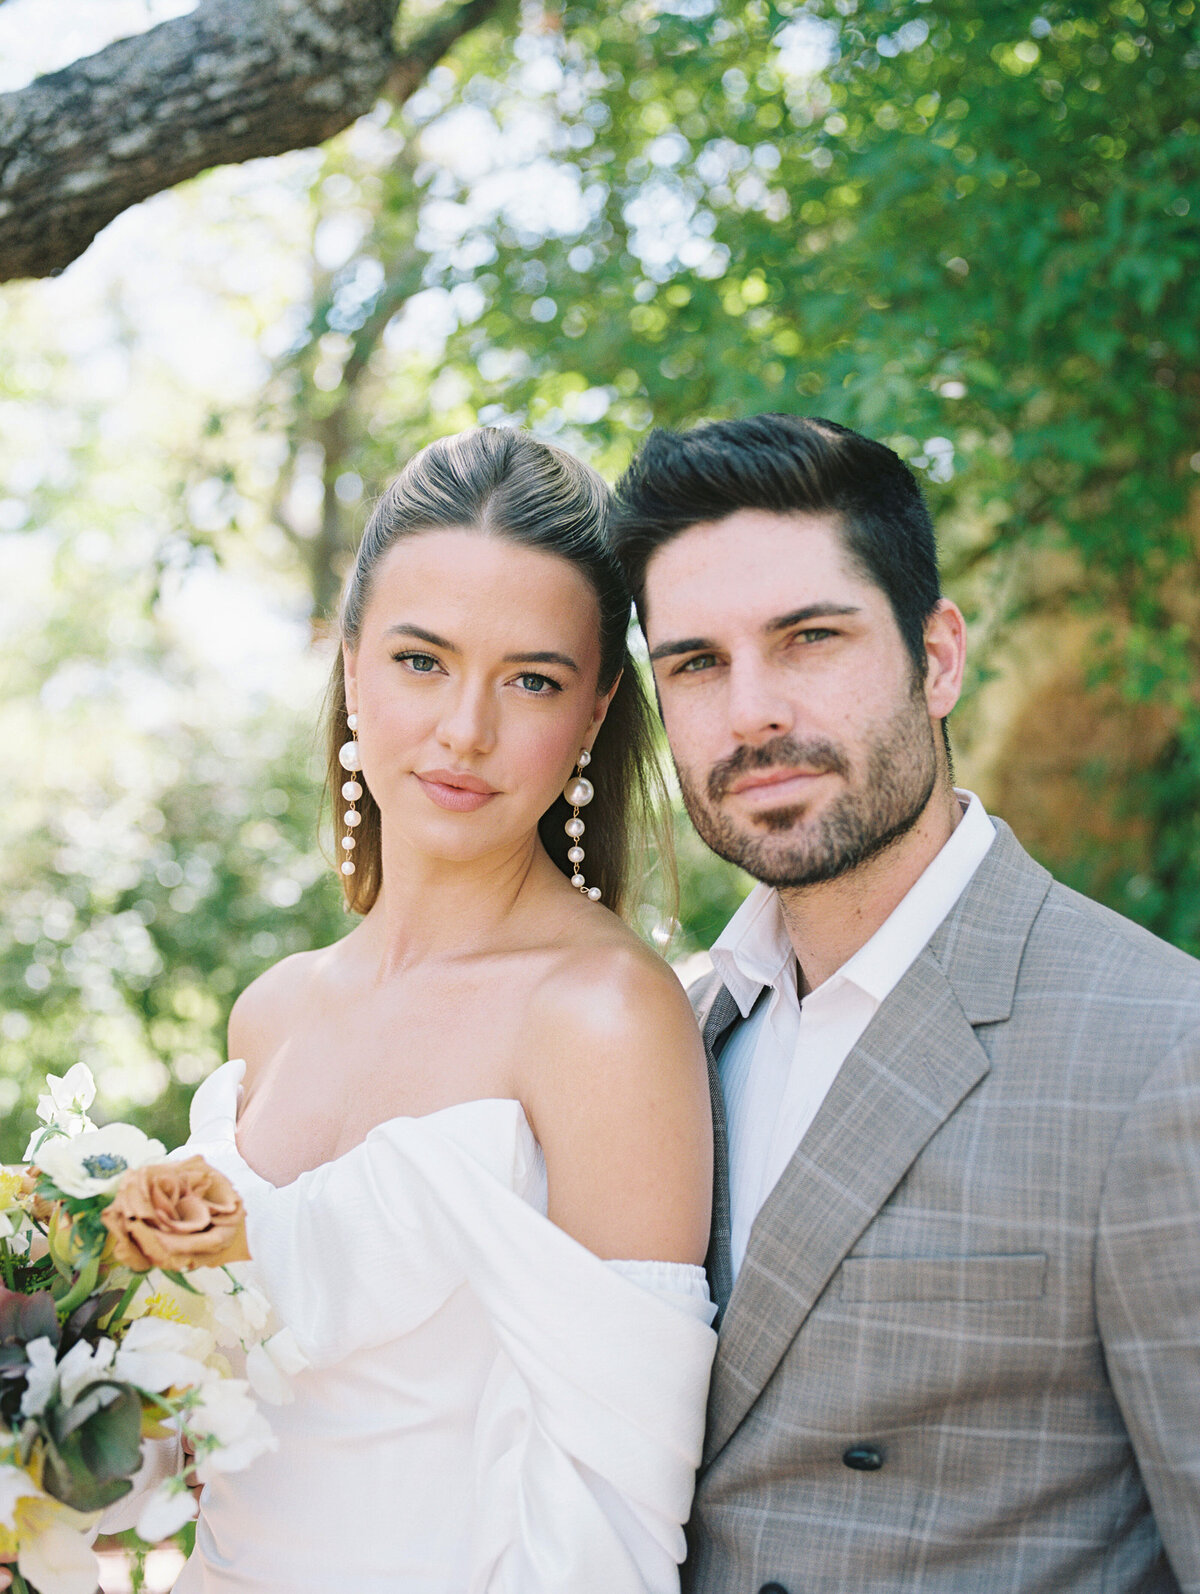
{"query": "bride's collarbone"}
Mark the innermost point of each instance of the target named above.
(326, 1087)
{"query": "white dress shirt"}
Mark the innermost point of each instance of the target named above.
(777, 1068)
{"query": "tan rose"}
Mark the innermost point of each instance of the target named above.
(176, 1215)
(37, 1206)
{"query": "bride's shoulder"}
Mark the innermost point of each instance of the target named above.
(266, 1011)
(616, 1089)
(613, 989)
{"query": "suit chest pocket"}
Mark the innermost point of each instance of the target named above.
(980, 1277)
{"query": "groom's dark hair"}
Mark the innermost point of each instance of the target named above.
(786, 464)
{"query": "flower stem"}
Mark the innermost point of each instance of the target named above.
(122, 1306)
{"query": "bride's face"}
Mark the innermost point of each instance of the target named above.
(475, 685)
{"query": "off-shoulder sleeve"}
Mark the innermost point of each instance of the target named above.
(573, 1496)
(590, 1430)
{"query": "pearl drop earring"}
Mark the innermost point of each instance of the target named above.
(579, 792)
(350, 758)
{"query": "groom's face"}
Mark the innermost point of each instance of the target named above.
(802, 734)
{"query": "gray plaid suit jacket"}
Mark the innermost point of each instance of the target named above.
(979, 1275)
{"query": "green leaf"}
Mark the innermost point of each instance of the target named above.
(93, 1447)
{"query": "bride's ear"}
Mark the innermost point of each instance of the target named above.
(350, 677)
(603, 703)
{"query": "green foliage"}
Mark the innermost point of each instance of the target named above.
(969, 230)
(93, 1447)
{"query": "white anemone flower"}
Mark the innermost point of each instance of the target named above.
(166, 1510)
(64, 1107)
(157, 1354)
(227, 1414)
(92, 1163)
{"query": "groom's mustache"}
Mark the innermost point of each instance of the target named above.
(782, 753)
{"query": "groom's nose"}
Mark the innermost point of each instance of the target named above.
(758, 704)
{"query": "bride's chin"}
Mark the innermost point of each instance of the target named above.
(459, 839)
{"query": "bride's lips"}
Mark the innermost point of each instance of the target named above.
(455, 789)
(772, 787)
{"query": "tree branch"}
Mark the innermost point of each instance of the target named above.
(427, 49)
(232, 80)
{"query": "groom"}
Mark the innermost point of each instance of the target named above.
(956, 1238)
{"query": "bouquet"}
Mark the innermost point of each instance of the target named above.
(123, 1279)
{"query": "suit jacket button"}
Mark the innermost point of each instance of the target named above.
(772, 1588)
(864, 1458)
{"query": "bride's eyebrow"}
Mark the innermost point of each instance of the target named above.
(402, 628)
(542, 658)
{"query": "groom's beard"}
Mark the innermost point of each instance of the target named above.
(784, 849)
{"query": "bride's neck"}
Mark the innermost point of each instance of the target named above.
(430, 907)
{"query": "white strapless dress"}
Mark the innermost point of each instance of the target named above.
(489, 1409)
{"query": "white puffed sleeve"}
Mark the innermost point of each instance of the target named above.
(587, 1489)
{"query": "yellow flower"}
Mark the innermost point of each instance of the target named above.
(11, 1181)
(161, 1305)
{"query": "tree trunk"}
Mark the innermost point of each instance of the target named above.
(233, 80)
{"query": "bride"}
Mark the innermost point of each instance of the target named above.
(473, 1136)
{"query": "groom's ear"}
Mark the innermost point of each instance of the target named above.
(945, 657)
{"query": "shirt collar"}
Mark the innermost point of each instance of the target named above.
(879, 964)
(754, 951)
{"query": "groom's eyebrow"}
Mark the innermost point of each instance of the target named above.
(691, 644)
(812, 611)
(699, 644)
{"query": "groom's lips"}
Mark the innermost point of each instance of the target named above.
(774, 785)
(454, 789)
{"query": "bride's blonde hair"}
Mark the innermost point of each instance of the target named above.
(507, 484)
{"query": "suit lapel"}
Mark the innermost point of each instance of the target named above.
(716, 1013)
(911, 1068)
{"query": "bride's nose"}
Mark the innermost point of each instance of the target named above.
(468, 722)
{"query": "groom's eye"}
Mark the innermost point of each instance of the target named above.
(701, 661)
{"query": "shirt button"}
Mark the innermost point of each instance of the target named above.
(864, 1458)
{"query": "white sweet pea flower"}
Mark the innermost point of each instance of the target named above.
(92, 1163)
(15, 1485)
(240, 1310)
(165, 1511)
(271, 1366)
(158, 1354)
(42, 1378)
(84, 1364)
(59, 1560)
(63, 1109)
(227, 1415)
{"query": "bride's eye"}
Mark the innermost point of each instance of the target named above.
(539, 685)
(418, 663)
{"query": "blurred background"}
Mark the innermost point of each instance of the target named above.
(969, 230)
